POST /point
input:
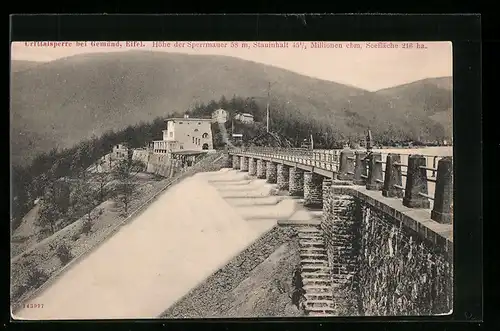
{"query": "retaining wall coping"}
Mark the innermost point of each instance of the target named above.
(418, 220)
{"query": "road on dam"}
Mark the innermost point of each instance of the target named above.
(190, 231)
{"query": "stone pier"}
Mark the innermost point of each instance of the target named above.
(236, 162)
(296, 182)
(313, 190)
(327, 200)
(283, 176)
(228, 161)
(261, 169)
(252, 166)
(271, 170)
(244, 163)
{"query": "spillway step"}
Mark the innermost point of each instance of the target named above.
(315, 240)
(312, 248)
(311, 243)
(316, 267)
(321, 310)
(310, 236)
(321, 288)
(310, 233)
(314, 256)
(307, 229)
(314, 261)
(316, 275)
(318, 296)
(319, 314)
(316, 281)
(319, 303)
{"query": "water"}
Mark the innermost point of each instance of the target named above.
(435, 150)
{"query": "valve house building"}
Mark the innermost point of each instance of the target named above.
(185, 134)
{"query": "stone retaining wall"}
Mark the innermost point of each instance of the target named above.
(380, 265)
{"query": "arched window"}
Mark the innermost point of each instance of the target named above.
(205, 135)
(196, 130)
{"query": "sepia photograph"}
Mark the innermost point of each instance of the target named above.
(230, 179)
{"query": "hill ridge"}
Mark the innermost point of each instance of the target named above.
(84, 95)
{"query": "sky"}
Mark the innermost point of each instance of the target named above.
(364, 66)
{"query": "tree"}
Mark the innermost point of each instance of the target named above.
(85, 198)
(54, 205)
(102, 179)
(125, 171)
(48, 215)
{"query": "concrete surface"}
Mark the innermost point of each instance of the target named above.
(184, 236)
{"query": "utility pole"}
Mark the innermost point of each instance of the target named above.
(369, 140)
(267, 107)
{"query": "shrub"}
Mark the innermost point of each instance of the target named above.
(86, 227)
(36, 277)
(64, 253)
(18, 292)
(75, 236)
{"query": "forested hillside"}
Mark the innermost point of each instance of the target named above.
(60, 103)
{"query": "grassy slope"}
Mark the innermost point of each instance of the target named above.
(64, 101)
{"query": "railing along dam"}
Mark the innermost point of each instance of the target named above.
(387, 224)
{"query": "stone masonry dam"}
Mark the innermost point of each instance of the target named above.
(374, 240)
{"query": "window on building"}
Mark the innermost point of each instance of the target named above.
(199, 123)
(171, 134)
(205, 135)
(193, 140)
(181, 122)
(196, 130)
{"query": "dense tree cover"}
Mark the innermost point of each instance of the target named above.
(29, 182)
(125, 172)
(288, 126)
